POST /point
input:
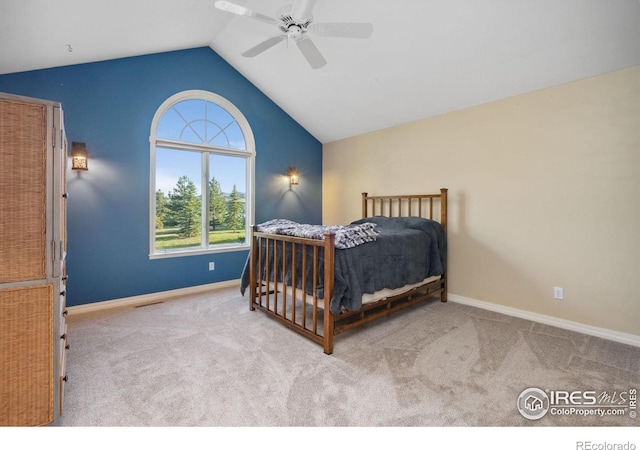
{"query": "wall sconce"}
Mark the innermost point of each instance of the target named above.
(79, 158)
(293, 175)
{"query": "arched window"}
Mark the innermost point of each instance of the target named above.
(202, 170)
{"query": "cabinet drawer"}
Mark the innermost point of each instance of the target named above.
(63, 381)
(63, 304)
(64, 344)
(64, 347)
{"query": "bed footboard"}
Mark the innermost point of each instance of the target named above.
(297, 298)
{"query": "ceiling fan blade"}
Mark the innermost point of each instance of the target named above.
(301, 9)
(242, 11)
(263, 46)
(343, 30)
(311, 53)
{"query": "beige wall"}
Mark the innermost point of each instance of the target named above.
(544, 191)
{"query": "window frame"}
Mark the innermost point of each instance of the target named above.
(249, 153)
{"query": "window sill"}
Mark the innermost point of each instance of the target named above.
(200, 251)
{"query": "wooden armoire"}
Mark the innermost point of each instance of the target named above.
(33, 333)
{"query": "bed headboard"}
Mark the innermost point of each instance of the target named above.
(419, 205)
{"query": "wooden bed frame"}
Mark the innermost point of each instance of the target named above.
(309, 315)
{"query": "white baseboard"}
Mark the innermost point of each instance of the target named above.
(149, 298)
(617, 336)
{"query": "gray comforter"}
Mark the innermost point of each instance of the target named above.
(406, 250)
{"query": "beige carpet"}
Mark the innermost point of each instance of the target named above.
(206, 360)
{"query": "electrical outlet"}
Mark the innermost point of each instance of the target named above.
(558, 293)
(212, 266)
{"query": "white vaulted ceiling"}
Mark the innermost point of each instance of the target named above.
(424, 58)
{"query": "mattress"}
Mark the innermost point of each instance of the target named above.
(366, 298)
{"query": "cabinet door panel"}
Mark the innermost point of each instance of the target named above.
(22, 191)
(26, 356)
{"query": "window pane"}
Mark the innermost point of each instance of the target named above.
(200, 122)
(227, 195)
(169, 125)
(233, 137)
(178, 197)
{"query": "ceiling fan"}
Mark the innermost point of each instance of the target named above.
(296, 24)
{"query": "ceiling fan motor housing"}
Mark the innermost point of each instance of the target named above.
(292, 27)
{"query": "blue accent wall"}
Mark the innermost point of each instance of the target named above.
(110, 105)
